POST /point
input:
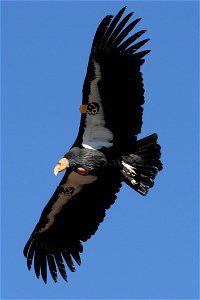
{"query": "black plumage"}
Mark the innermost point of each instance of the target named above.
(105, 153)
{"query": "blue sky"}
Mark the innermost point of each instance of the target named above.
(147, 248)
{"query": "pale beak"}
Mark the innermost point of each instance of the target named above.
(61, 166)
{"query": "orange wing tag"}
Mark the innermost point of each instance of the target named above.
(83, 108)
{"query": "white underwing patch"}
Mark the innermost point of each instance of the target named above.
(76, 181)
(96, 135)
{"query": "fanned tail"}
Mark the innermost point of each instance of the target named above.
(139, 169)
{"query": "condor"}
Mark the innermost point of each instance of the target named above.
(105, 153)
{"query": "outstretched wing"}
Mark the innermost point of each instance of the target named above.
(72, 215)
(113, 92)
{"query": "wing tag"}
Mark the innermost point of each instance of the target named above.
(90, 108)
(66, 191)
(83, 108)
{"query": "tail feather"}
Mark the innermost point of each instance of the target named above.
(139, 169)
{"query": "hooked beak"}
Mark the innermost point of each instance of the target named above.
(61, 166)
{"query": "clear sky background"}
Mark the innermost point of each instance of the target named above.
(147, 247)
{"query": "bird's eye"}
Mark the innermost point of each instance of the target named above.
(81, 171)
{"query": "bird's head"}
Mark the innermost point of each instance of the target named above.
(63, 164)
(81, 161)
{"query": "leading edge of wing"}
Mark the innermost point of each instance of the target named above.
(69, 219)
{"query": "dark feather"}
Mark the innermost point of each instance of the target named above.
(60, 264)
(141, 54)
(100, 33)
(117, 31)
(123, 34)
(111, 28)
(37, 262)
(30, 256)
(68, 260)
(43, 260)
(76, 256)
(130, 40)
(135, 47)
(52, 266)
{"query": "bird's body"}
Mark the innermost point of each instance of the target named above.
(105, 153)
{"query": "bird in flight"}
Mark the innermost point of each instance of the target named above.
(105, 153)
